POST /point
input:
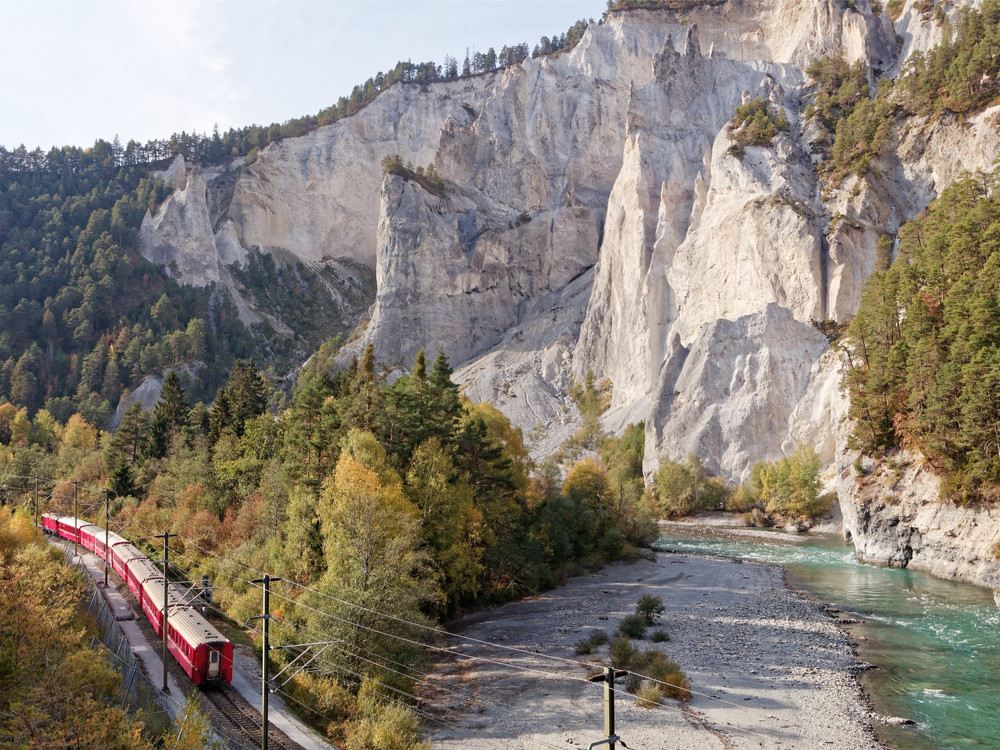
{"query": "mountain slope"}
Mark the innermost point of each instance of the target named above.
(592, 216)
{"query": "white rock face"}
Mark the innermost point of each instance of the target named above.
(894, 518)
(183, 223)
(527, 375)
(735, 379)
(593, 218)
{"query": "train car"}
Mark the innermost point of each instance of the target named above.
(202, 651)
(113, 540)
(204, 654)
(139, 571)
(50, 523)
(152, 602)
(121, 556)
(88, 533)
(69, 528)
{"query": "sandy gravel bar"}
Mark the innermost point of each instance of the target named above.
(768, 667)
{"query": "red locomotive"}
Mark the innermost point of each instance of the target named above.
(202, 651)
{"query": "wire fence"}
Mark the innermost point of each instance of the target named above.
(136, 693)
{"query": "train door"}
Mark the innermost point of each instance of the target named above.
(213, 664)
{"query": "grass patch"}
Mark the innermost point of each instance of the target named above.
(591, 643)
(633, 626)
(659, 636)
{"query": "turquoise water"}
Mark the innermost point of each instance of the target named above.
(936, 644)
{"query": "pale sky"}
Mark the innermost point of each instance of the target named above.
(72, 71)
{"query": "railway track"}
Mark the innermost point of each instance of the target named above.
(229, 709)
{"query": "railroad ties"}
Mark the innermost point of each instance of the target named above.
(229, 707)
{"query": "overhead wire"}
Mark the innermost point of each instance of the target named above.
(432, 647)
(330, 615)
(430, 716)
(310, 632)
(439, 631)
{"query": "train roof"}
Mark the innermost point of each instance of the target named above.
(114, 539)
(143, 569)
(128, 552)
(184, 618)
(194, 628)
(176, 595)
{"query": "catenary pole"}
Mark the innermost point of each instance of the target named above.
(608, 678)
(107, 524)
(166, 552)
(76, 520)
(266, 582)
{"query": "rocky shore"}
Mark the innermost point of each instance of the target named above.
(767, 667)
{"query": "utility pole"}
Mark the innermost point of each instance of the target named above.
(608, 678)
(107, 524)
(36, 501)
(166, 603)
(76, 520)
(266, 617)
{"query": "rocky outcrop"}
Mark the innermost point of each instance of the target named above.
(593, 217)
(736, 378)
(894, 516)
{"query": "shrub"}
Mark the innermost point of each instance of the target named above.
(671, 679)
(633, 626)
(649, 608)
(590, 643)
(659, 636)
(789, 487)
(649, 695)
(383, 726)
(742, 500)
(623, 653)
(612, 543)
(683, 488)
(755, 123)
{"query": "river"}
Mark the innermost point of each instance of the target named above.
(936, 644)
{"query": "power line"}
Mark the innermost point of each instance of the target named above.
(410, 623)
(439, 631)
(312, 633)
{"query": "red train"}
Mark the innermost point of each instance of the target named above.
(202, 651)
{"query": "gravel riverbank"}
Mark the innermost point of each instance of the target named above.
(767, 667)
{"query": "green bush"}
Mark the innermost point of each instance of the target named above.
(623, 653)
(684, 488)
(649, 668)
(742, 500)
(755, 123)
(659, 636)
(589, 644)
(383, 726)
(633, 626)
(789, 487)
(667, 672)
(649, 608)
(612, 543)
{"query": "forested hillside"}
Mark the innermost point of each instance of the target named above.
(386, 506)
(83, 317)
(924, 363)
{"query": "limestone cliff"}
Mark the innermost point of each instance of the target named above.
(894, 518)
(592, 216)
